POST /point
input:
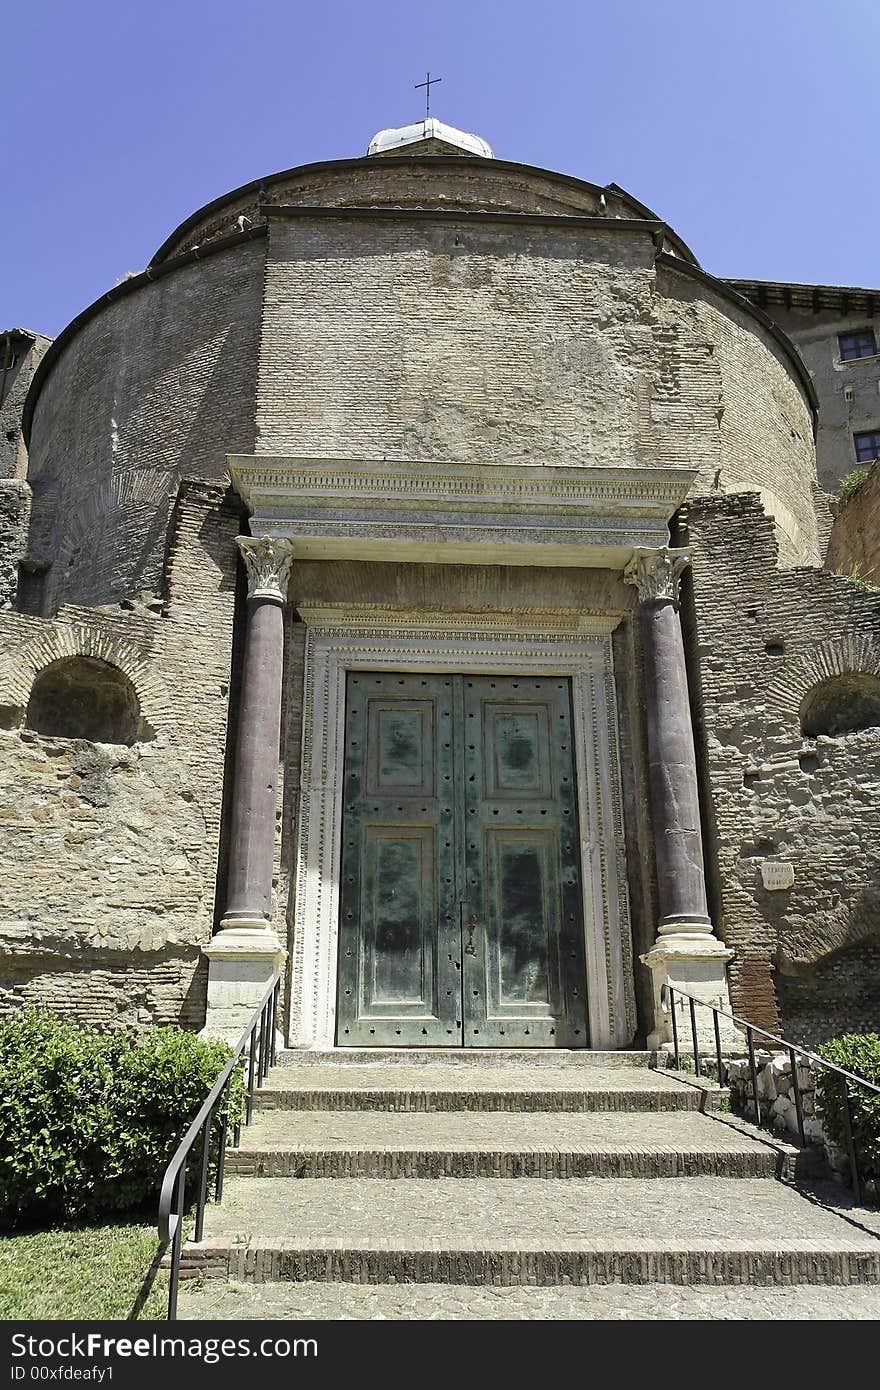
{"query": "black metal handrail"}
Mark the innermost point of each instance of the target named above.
(669, 993)
(259, 1039)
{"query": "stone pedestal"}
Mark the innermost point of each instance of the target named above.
(686, 955)
(245, 953)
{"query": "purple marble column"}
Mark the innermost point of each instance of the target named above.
(252, 831)
(672, 765)
(686, 954)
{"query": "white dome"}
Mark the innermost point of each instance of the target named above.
(430, 129)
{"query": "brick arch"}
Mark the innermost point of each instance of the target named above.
(18, 672)
(854, 654)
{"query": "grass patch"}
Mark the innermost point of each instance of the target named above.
(89, 1271)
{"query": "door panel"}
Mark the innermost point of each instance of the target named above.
(524, 986)
(460, 918)
(399, 929)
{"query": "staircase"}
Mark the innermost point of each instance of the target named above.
(518, 1185)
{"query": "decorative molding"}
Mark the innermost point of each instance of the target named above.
(442, 512)
(657, 573)
(267, 562)
(424, 643)
(561, 621)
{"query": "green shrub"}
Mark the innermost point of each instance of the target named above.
(88, 1121)
(850, 483)
(860, 1054)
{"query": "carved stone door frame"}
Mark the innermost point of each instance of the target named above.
(577, 645)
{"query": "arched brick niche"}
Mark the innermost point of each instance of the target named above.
(62, 664)
(841, 704)
(86, 697)
(831, 689)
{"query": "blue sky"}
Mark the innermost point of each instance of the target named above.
(750, 127)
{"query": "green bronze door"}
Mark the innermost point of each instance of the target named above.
(460, 906)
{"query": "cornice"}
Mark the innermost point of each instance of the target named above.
(429, 510)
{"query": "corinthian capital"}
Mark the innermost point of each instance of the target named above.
(656, 573)
(267, 561)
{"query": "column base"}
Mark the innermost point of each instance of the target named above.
(243, 957)
(695, 962)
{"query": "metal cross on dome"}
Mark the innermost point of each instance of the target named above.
(428, 84)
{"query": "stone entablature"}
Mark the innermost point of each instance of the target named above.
(429, 511)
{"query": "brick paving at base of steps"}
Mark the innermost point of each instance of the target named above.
(461, 1302)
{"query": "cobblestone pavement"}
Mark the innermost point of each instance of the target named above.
(709, 1212)
(446, 1302)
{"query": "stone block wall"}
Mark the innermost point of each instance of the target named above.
(108, 852)
(760, 641)
(854, 548)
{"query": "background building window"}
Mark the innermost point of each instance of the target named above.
(867, 444)
(861, 344)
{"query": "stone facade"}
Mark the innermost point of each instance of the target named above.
(523, 376)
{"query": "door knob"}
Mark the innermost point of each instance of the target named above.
(470, 949)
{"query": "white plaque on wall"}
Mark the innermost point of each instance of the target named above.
(776, 875)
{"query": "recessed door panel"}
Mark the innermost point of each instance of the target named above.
(399, 903)
(521, 906)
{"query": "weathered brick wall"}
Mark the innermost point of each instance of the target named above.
(28, 350)
(15, 501)
(734, 411)
(854, 549)
(158, 385)
(488, 343)
(396, 181)
(840, 995)
(108, 853)
(762, 638)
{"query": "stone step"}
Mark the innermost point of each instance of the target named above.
(683, 1231)
(470, 1057)
(379, 1086)
(364, 1144)
(298, 1302)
